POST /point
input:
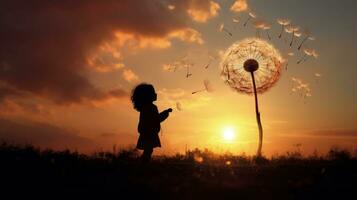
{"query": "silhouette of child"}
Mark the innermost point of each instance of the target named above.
(143, 96)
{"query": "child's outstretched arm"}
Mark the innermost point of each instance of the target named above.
(164, 114)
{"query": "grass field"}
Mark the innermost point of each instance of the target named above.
(199, 174)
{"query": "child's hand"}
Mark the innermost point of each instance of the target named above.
(164, 114)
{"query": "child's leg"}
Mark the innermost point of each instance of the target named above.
(147, 154)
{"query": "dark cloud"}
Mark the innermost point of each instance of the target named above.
(43, 135)
(45, 43)
(6, 91)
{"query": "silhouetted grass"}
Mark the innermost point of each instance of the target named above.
(198, 174)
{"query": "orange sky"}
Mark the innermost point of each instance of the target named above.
(66, 75)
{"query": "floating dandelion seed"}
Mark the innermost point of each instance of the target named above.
(178, 106)
(168, 67)
(292, 29)
(172, 67)
(317, 76)
(188, 74)
(252, 66)
(182, 63)
(207, 87)
(235, 21)
(258, 24)
(262, 25)
(307, 36)
(211, 59)
(297, 35)
(290, 54)
(171, 7)
(251, 16)
(283, 23)
(315, 54)
(308, 53)
(267, 27)
(178, 64)
(301, 88)
(223, 29)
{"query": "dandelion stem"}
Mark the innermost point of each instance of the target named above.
(292, 39)
(303, 58)
(259, 151)
(229, 33)
(267, 32)
(257, 33)
(303, 42)
(245, 23)
(281, 32)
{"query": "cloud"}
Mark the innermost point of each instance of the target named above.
(43, 135)
(13, 108)
(201, 11)
(239, 6)
(106, 59)
(130, 76)
(8, 91)
(47, 45)
(188, 34)
(135, 42)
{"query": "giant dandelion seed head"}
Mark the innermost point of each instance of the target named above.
(251, 55)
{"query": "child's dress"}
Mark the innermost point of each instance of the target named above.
(149, 127)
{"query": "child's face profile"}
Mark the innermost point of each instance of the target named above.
(154, 95)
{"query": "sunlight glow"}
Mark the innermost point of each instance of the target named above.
(228, 134)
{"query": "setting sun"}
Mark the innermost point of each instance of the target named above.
(228, 133)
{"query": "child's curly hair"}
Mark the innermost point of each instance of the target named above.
(142, 94)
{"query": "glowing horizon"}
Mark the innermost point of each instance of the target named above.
(66, 79)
